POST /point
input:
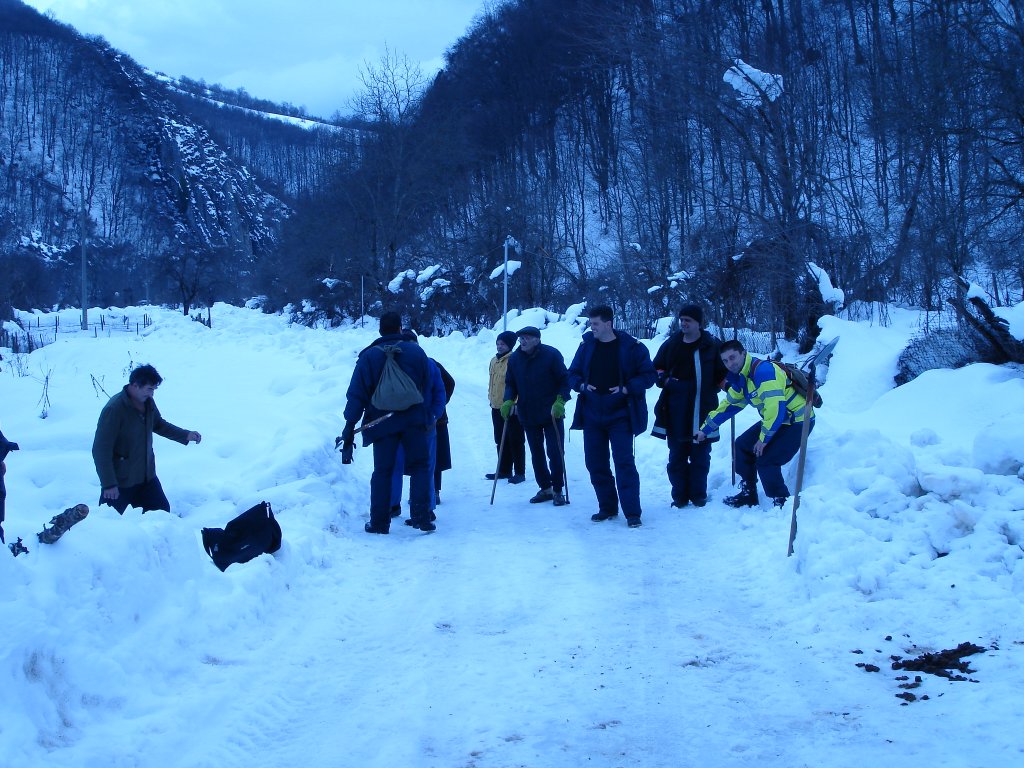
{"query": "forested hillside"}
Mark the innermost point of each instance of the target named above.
(648, 150)
(177, 200)
(637, 152)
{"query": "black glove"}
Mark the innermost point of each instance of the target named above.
(347, 442)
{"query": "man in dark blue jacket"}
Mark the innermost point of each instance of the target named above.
(537, 385)
(406, 428)
(612, 371)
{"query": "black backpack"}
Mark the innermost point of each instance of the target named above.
(249, 535)
(796, 377)
(395, 390)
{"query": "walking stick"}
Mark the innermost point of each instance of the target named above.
(812, 386)
(501, 448)
(561, 452)
(732, 447)
(804, 431)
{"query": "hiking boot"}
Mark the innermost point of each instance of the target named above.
(424, 525)
(396, 510)
(699, 502)
(747, 497)
(680, 504)
(493, 476)
(779, 501)
(432, 517)
(544, 494)
(370, 529)
(633, 522)
(558, 499)
(517, 479)
(602, 516)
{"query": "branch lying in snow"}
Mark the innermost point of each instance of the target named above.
(995, 329)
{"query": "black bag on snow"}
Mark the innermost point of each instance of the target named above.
(249, 535)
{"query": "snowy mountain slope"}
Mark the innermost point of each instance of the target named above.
(518, 634)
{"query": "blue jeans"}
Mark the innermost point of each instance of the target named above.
(780, 450)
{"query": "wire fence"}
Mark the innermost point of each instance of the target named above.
(37, 331)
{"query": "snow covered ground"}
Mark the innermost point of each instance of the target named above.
(518, 634)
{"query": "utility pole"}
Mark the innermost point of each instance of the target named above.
(85, 285)
(509, 242)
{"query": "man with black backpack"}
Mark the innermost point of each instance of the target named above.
(390, 387)
(764, 449)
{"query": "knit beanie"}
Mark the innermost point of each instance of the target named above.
(509, 337)
(693, 312)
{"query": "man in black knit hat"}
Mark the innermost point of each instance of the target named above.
(690, 374)
(512, 464)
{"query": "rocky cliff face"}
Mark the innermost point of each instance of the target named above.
(84, 129)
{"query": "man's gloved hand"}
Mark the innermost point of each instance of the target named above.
(558, 408)
(506, 409)
(348, 442)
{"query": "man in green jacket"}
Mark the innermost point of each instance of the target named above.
(123, 446)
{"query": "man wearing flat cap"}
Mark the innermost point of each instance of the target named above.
(537, 384)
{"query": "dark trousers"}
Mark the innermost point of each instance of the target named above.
(432, 473)
(148, 495)
(550, 470)
(417, 465)
(612, 435)
(688, 467)
(513, 455)
(3, 508)
(779, 451)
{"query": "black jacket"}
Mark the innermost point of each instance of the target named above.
(536, 380)
(673, 413)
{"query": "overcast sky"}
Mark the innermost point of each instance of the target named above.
(306, 52)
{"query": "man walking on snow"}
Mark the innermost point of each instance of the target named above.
(764, 449)
(406, 428)
(537, 384)
(612, 372)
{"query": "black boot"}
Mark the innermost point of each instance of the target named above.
(747, 497)
(544, 494)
